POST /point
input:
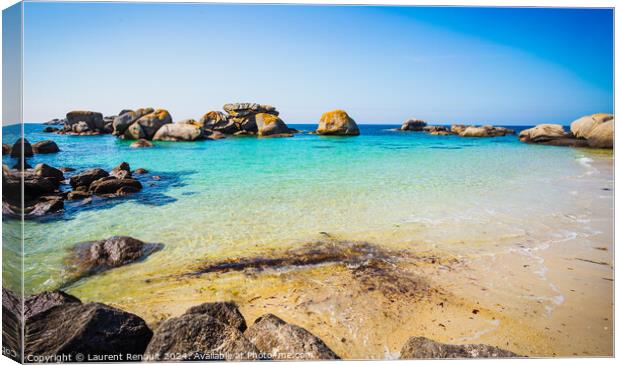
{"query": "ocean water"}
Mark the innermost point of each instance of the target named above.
(240, 195)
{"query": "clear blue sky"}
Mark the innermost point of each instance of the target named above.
(381, 64)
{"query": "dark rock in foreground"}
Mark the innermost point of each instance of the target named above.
(423, 348)
(201, 335)
(16, 150)
(226, 312)
(6, 149)
(11, 325)
(86, 329)
(273, 336)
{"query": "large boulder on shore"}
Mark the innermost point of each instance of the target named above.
(226, 312)
(413, 125)
(16, 150)
(179, 132)
(602, 136)
(199, 336)
(93, 257)
(542, 133)
(424, 348)
(274, 336)
(146, 126)
(86, 330)
(582, 127)
(46, 146)
(269, 124)
(338, 123)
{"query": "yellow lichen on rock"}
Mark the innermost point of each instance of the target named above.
(337, 122)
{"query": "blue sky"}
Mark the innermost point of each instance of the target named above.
(381, 64)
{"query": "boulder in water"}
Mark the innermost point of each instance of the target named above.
(337, 122)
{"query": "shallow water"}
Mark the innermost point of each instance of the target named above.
(237, 195)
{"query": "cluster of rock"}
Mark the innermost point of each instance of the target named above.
(59, 324)
(240, 119)
(43, 191)
(416, 125)
(596, 131)
(146, 124)
(22, 148)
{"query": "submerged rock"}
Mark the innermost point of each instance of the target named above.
(86, 329)
(273, 336)
(337, 122)
(225, 312)
(141, 143)
(423, 348)
(96, 256)
(201, 335)
(413, 125)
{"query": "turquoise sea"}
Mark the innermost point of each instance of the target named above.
(240, 194)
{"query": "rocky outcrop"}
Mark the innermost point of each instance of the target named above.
(273, 336)
(424, 348)
(127, 117)
(248, 109)
(337, 123)
(81, 330)
(122, 171)
(199, 336)
(11, 324)
(6, 149)
(81, 122)
(93, 257)
(226, 312)
(550, 134)
(46, 146)
(596, 131)
(147, 125)
(413, 124)
(270, 125)
(182, 131)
